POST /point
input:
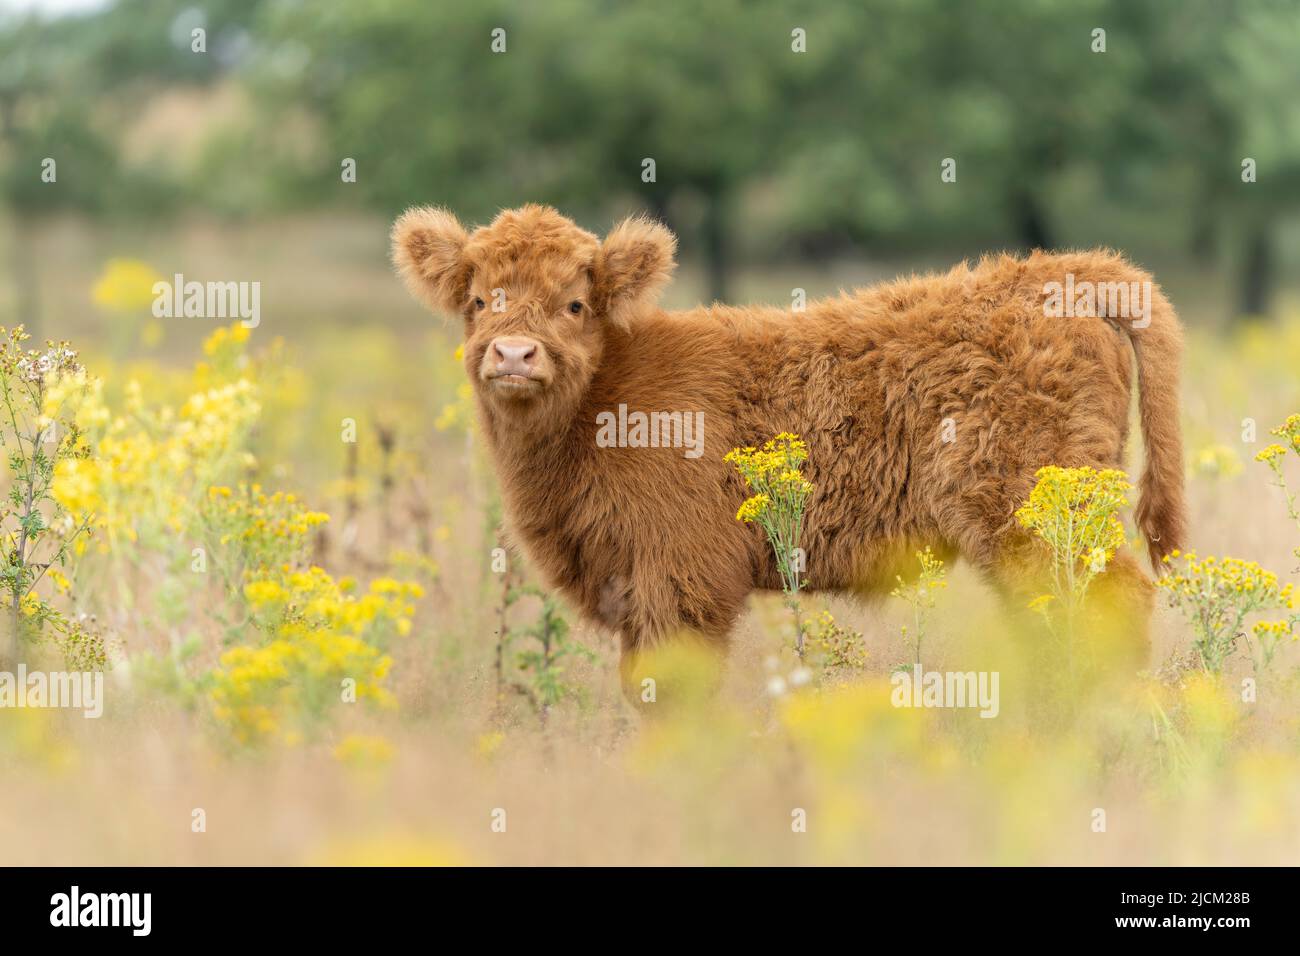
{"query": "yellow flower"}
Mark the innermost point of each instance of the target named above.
(1074, 510)
(1217, 461)
(1040, 603)
(1215, 594)
(488, 744)
(753, 508)
(1274, 629)
(151, 335)
(389, 850)
(125, 285)
(360, 750)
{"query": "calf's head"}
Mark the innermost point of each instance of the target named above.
(539, 297)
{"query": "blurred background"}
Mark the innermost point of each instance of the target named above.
(776, 168)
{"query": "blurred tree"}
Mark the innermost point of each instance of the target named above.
(756, 146)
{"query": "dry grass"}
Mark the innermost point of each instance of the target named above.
(590, 784)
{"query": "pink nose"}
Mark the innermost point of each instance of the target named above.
(514, 356)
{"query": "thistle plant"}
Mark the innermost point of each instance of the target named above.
(1216, 595)
(1075, 512)
(40, 391)
(921, 595)
(541, 664)
(777, 504)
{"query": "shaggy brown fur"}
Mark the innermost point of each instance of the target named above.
(645, 540)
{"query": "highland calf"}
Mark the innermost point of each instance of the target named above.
(927, 405)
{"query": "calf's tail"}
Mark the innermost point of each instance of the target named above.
(1161, 509)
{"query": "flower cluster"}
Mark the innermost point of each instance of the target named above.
(1216, 461)
(1290, 430)
(778, 461)
(780, 496)
(921, 595)
(32, 366)
(317, 634)
(155, 462)
(277, 691)
(225, 345)
(1275, 455)
(364, 751)
(125, 285)
(777, 505)
(288, 603)
(1216, 595)
(842, 647)
(1075, 512)
(1271, 630)
(263, 531)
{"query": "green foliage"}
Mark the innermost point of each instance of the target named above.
(921, 595)
(547, 647)
(757, 148)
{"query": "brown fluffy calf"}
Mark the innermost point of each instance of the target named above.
(927, 404)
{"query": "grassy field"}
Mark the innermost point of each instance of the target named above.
(224, 739)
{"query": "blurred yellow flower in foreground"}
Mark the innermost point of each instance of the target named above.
(837, 729)
(488, 744)
(223, 337)
(390, 849)
(1209, 708)
(365, 751)
(31, 734)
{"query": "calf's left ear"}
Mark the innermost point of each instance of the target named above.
(634, 263)
(428, 249)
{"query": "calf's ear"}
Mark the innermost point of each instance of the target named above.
(634, 263)
(428, 249)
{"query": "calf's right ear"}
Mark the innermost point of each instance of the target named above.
(428, 249)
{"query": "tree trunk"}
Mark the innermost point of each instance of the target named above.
(1205, 233)
(1031, 222)
(658, 203)
(1256, 281)
(717, 245)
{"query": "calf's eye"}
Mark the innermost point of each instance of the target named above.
(575, 307)
(479, 303)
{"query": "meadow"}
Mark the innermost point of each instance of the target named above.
(280, 545)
